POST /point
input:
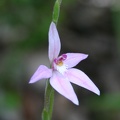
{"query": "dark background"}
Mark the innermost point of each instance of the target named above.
(85, 26)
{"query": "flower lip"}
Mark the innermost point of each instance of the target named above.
(59, 61)
(59, 65)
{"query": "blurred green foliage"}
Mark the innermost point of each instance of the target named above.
(106, 102)
(29, 20)
(116, 21)
(31, 16)
(115, 9)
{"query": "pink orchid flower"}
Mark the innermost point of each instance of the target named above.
(61, 72)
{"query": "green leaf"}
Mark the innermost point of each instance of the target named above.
(56, 11)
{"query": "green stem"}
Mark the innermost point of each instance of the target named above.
(48, 103)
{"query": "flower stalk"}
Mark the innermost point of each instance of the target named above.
(48, 102)
(49, 91)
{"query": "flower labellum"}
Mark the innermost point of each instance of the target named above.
(62, 73)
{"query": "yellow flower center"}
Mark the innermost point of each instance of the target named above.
(59, 63)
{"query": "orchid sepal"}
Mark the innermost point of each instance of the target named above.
(54, 43)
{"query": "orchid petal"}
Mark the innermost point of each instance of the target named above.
(54, 42)
(63, 86)
(80, 78)
(41, 73)
(74, 58)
